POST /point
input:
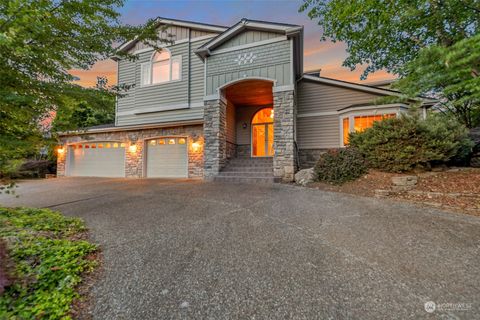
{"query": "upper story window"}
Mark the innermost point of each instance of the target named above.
(358, 123)
(161, 68)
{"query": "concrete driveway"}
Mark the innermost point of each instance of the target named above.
(192, 250)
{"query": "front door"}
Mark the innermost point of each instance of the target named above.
(262, 133)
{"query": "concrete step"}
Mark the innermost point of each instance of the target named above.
(242, 179)
(246, 174)
(249, 164)
(247, 169)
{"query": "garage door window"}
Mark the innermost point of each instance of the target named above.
(181, 141)
(171, 141)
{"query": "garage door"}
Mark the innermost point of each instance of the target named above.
(100, 159)
(167, 158)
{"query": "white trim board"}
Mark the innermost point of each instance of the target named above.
(134, 127)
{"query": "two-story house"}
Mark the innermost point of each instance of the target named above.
(222, 102)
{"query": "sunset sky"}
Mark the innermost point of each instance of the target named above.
(327, 56)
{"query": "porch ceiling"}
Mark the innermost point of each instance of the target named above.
(250, 93)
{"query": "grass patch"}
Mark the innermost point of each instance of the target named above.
(49, 257)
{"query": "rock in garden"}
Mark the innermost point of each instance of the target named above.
(304, 176)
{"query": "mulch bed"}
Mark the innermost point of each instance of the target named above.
(5, 265)
(456, 189)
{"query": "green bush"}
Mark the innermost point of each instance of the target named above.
(409, 142)
(339, 166)
(48, 263)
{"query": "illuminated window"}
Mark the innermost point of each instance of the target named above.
(181, 141)
(360, 123)
(162, 68)
(263, 116)
(108, 145)
(161, 141)
(346, 130)
(100, 145)
(80, 146)
(122, 145)
(171, 141)
(115, 145)
(153, 142)
(87, 146)
(93, 146)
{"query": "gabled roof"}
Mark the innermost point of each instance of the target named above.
(364, 87)
(289, 30)
(295, 32)
(181, 23)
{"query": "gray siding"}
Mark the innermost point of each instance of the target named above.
(323, 131)
(165, 95)
(245, 115)
(197, 74)
(247, 37)
(271, 61)
(176, 34)
(161, 117)
(160, 102)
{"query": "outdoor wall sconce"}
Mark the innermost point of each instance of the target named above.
(196, 146)
(132, 148)
(60, 150)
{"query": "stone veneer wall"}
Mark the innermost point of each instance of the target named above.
(231, 151)
(134, 162)
(214, 130)
(309, 157)
(284, 145)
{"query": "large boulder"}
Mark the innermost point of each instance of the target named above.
(305, 176)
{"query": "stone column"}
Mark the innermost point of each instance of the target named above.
(284, 158)
(134, 159)
(61, 160)
(214, 130)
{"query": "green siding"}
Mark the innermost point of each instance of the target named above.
(323, 131)
(247, 37)
(167, 101)
(269, 61)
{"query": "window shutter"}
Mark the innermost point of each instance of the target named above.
(145, 69)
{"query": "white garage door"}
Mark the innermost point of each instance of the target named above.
(167, 158)
(100, 159)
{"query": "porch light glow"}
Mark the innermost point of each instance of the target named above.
(60, 150)
(195, 146)
(132, 148)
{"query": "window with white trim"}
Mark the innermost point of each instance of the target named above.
(358, 123)
(161, 68)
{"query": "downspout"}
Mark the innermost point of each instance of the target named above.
(189, 65)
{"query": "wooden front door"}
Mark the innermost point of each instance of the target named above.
(262, 133)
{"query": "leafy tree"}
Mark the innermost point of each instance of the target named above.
(39, 41)
(452, 74)
(84, 107)
(432, 45)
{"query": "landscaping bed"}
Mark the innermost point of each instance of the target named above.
(456, 189)
(45, 256)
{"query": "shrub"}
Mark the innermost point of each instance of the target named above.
(339, 166)
(48, 259)
(408, 142)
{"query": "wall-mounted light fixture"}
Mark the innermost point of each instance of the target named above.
(196, 146)
(60, 150)
(132, 148)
